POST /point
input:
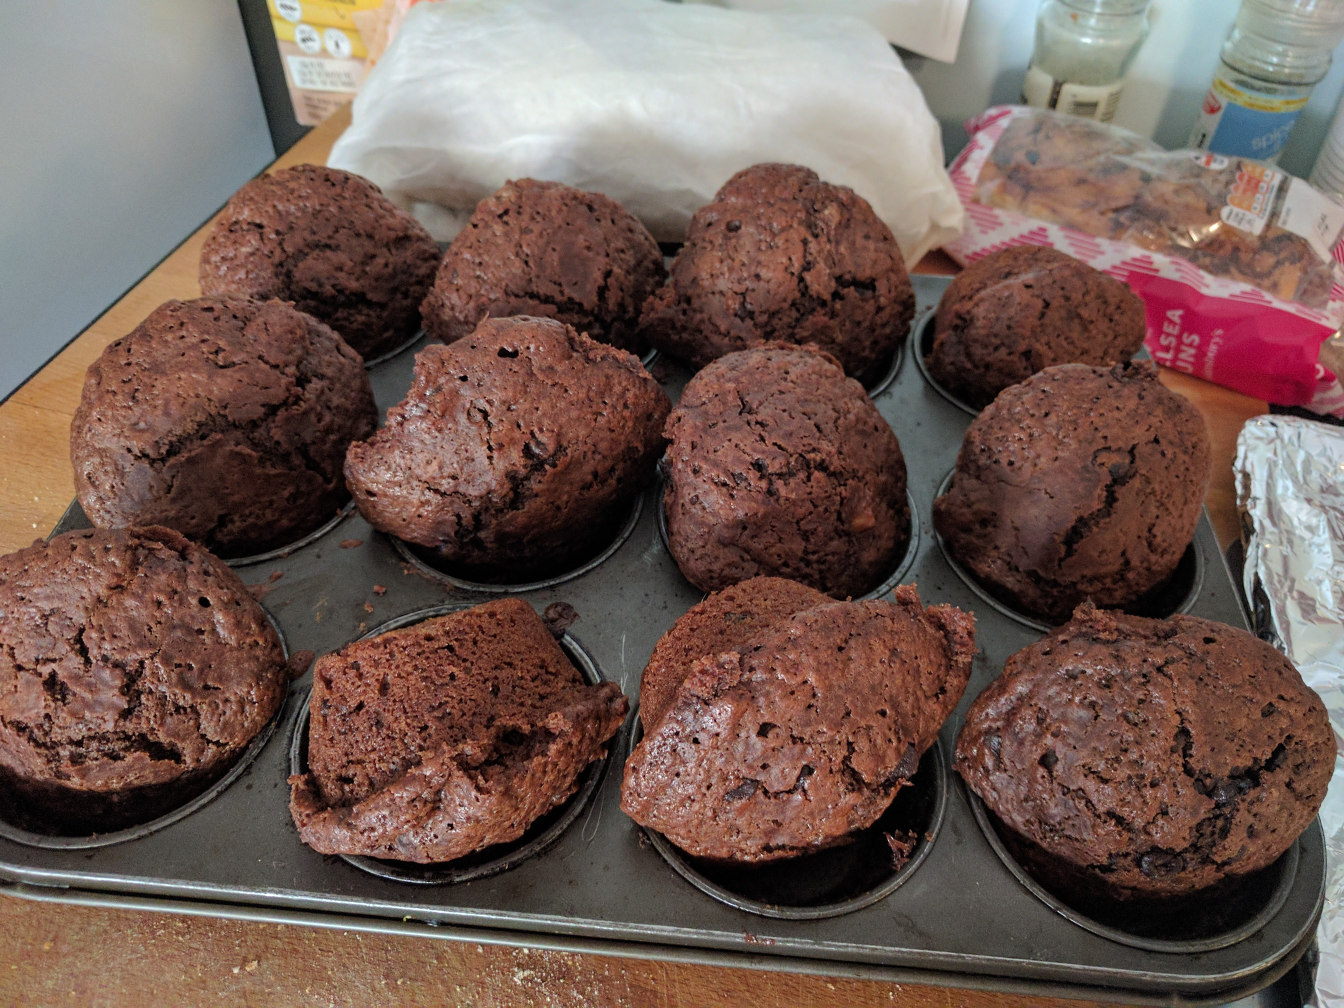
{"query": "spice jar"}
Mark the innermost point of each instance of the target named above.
(1273, 57)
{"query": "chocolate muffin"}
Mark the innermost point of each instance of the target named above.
(1080, 483)
(1025, 308)
(1139, 759)
(440, 739)
(223, 418)
(136, 668)
(550, 250)
(781, 255)
(331, 243)
(779, 464)
(802, 734)
(518, 448)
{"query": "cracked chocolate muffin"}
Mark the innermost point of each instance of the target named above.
(330, 242)
(434, 741)
(1025, 308)
(135, 668)
(800, 735)
(550, 250)
(517, 449)
(778, 464)
(781, 255)
(1080, 483)
(223, 418)
(1137, 759)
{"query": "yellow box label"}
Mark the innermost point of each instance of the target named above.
(323, 40)
(323, 51)
(329, 13)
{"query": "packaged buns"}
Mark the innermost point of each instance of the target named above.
(1237, 261)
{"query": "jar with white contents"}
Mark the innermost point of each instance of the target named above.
(1082, 53)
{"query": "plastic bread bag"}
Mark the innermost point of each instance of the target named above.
(1238, 263)
(655, 104)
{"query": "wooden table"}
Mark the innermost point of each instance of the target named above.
(67, 954)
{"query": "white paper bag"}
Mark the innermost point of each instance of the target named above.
(655, 104)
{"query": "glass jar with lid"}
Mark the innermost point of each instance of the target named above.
(1082, 53)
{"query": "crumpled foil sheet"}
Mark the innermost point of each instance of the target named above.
(1290, 490)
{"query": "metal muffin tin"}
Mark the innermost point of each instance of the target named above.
(959, 912)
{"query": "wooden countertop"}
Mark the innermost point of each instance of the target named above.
(71, 954)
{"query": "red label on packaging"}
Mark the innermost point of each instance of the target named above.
(1218, 340)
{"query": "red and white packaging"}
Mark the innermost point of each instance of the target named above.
(1237, 262)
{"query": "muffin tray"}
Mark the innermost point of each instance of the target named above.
(928, 896)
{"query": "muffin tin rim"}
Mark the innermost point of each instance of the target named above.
(406, 551)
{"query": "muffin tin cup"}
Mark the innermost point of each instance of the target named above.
(500, 857)
(473, 579)
(382, 358)
(236, 770)
(1193, 925)
(959, 915)
(1177, 594)
(888, 373)
(895, 573)
(280, 552)
(834, 881)
(32, 834)
(921, 345)
(318, 531)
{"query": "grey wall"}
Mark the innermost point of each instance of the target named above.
(123, 126)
